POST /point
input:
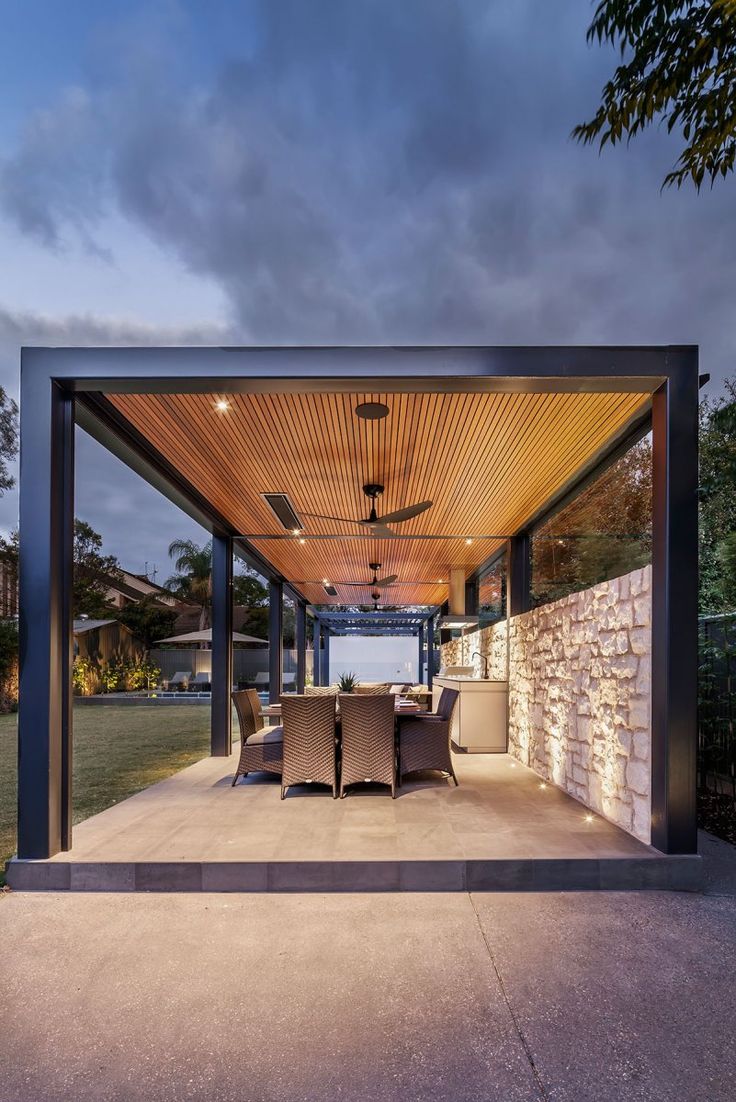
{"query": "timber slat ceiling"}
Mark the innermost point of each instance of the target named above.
(487, 461)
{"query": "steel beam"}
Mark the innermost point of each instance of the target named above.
(300, 642)
(221, 675)
(45, 612)
(675, 607)
(420, 647)
(275, 641)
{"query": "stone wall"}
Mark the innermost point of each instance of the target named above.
(579, 673)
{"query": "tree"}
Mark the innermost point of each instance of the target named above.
(93, 573)
(8, 439)
(148, 621)
(717, 499)
(603, 533)
(678, 63)
(193, 579)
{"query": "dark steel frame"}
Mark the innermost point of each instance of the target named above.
(58, 383)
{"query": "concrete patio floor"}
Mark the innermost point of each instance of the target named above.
(558, 997)
(502, 828)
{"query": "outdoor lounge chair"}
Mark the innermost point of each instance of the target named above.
(310, 746)
(180, 681)
(424, 740)
(289, 679)
(201, 682)
(261, 680)
(368, 747)
(261, 748)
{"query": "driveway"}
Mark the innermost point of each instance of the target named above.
(579, 996)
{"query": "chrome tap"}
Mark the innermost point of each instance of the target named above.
(484, 660)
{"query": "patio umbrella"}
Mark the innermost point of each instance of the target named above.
(205, 636)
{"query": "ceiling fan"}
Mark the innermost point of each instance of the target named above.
(375, 582)
(379, 526)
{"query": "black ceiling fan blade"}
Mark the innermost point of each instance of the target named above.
(405, 514)
(326, 516)
(381, 583)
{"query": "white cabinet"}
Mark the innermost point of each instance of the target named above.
(479, 725)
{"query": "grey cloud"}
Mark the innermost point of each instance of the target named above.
(387, 172)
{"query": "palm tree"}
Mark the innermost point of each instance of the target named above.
(193, 580)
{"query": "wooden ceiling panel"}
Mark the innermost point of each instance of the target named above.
(486, 461)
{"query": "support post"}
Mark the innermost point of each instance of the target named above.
(300, 641)
(221, 674)
(316, 651)
(519, 574)
(324, 678)
(420, 656)
(45, 613)
(430, 652)
(275, 641)
(675, 606)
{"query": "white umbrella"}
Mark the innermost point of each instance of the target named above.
(206, 637)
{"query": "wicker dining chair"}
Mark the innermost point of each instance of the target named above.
(261, 748)
(368, 745)
(310, 746)
(424, 740)
(371, 688)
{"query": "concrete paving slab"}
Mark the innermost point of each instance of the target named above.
(254, 998)
(624, 997)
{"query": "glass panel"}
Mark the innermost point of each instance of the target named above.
(492, 593)
(604, 533)
(250, 618)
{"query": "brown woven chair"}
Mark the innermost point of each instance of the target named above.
(424, 740)
(321, 690)
(261, 748)
(368, 745)
(374, 688)
(310, 746)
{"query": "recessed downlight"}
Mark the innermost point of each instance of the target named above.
(222, 405)
(371, 411)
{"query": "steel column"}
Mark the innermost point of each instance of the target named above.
(519, 574)
(221, 674)
(300, 642)
(316, 651)
(420, 647)
(275, 641)
(46, 641)
(430, 651)
(325, 662)
(675, 607)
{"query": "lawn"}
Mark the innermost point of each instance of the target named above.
(118, 750)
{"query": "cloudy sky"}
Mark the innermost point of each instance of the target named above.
(321, 171)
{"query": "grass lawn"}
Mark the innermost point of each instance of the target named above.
(117, 751)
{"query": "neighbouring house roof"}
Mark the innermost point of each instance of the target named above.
(81, 626)
(137, 586)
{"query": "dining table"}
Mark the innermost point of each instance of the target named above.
(401, 708)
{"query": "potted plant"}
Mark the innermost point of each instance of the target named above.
(347, 682)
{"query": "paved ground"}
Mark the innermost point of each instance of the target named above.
(500, 810)
(581, 997)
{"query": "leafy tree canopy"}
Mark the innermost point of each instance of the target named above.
(93, 572)
(718, 502)
(678, 64)
(8, 439)
(148, 621)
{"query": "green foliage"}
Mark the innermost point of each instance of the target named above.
(678, 63)
(8, 439)
(8, 666)
(90, 676)
(603, 533)
(726, 555)
(249, 590)
(93, 572)
(347, 682)
(718, 502)
(148, 621)
(193, 578)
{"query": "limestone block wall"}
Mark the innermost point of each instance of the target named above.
(579, 673)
